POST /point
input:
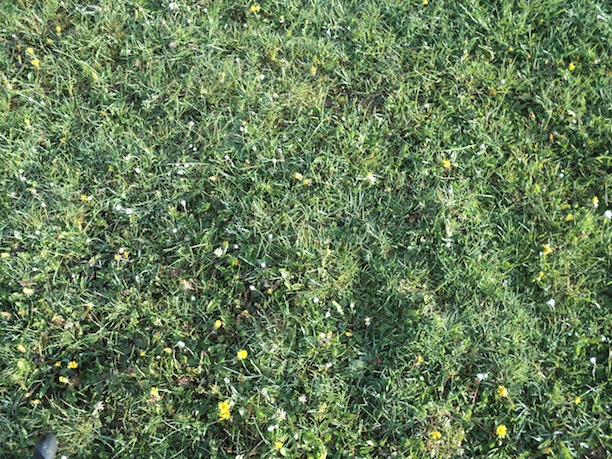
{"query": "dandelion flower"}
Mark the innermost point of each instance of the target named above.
(447, 165)
(569, 217)
(595, 202)
(155, 393)
(298, 176)
(501, 431)
(224, 411)
(21, 348)
(278, 445)
(436, 435)
(571, 66)
(63, 380)
(218, 324)
(255, 8)
(547, 250)
(242, 354)
(72, 365)
(28, 291)
(35, 63)
(577, 400)
(502, 391)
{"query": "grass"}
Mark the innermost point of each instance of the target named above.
(377, 200)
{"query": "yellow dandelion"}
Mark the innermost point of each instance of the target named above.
(569, 217)
(58, 29)
(63, 380)
(242, 354)
(72, 365)
(547, 250)
(501, 431)
(224, 411)
(218, 324)
(502, 391)
(577, 400)
(155, 393)
(425, 2)
(28, 291)
(35, 63)
(571, 67)
(447, 164)
(595, 201)
(298, 176)
(419, 359)
(547, 450)
(21, 348)
(167, 350)
(313, 70)
(436, 435)
(278, 445)
(255, 8)
(84, 198)
(58, 364)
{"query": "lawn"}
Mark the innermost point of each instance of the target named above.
(306, 228)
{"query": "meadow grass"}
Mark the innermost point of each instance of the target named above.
(397, 208)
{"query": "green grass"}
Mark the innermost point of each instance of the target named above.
(375, 199)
